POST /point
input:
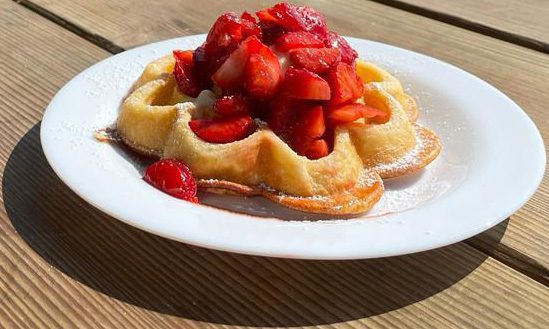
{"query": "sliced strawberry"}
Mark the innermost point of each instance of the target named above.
(249, 26)
(345, 113)
(270, 32)
(317, 60)
(263, 74)
(230, 74)
(374, 115)
(265, 16)
(282, 14)
(186, 56)
(204, 66)
(232, 105)
(300, 39)
(223, 130)
(350, 112)
(183, 73)
(172, 177)
(302, 84)
(348, 54)
(311, 148)
(293, 19)
(316, 149)
(225, 33)
(346, 85)
(312, 21)
(281, 114)
(310, 122)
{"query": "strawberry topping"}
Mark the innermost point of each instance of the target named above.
(317, 60)
(172, 177)
(232, 105)
(285, 67)
(223, 130)
(262, 74)
(294, 40)
(346, 84)
(183, 72)
(303, 84)
(348, 54)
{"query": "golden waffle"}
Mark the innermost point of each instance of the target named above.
(154, 120)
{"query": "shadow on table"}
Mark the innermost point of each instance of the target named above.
(200, 284)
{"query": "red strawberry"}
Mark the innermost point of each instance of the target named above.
(172, 177)
(317, 60)
(281, 114)
(348, 54)
(374, 115)
(302, 84)
(311, 148)
(230, 74)
(301, 39)
(293, 19)
(183, 73)
(316, 149)
(310, 122)
(204, 66)
(312, 21)
(262, 74)
(225, 33)
(282, 14)
(346, 85)
(345, 113)
(249, 26)
(231, 105)
(350, 112)
(223, 130)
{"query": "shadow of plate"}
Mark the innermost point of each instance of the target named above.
(207, 285)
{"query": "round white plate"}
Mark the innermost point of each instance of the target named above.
(492, 161)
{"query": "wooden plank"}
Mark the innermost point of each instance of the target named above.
(64, 264)
(520, 73)
(525, 22)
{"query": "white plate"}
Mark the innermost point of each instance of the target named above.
(492, 161)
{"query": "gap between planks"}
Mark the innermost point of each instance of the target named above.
(504, 254)
(96, 39)
(466, 24)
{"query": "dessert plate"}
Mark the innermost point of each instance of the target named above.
(492, 161)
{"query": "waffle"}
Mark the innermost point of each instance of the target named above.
(154, 121)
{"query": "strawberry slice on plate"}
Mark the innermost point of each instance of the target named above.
(224, 130)
(317, 60)
(345, 84)
(172, 177)
(300, 39)
(303, 84)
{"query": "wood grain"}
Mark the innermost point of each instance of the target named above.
(520, 73)
(524, 20)
(64, 264)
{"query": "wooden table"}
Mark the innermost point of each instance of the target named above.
(64, 264)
